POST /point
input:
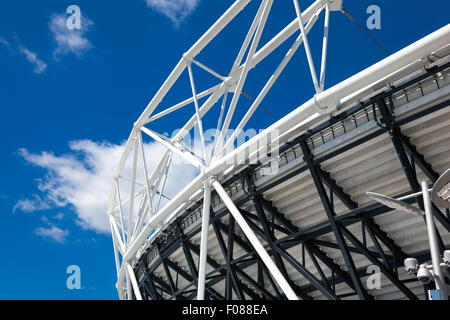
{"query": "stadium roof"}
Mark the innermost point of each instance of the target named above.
(393, 138)
(289, 213)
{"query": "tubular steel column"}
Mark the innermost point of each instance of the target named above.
(434, 245)
(134, 283)
(204, 243)
(255, 242)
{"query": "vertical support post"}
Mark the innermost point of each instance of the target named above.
(434, 245)
(204, 242)
(133, 186)
(129, 290)
(134, 283)
(282, 282)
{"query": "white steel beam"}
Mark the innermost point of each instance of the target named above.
(269, 47)
(306, 45)
(222, 110)
(120, 209)
(209, 70)
(132, 277)
(184, 155)
(116, 234)
(166, 173)
(181, 104)
(116, 254)
(410, 54)
(248, 38)
(128, 284)
(243, 75)
(270, 82)
(204, 242)
(143, 228)
(144, 167)
(221, 23)
(324, 47)
(286, 33)
(133, 185)
(212, 99)
(417, 51)
(434, 244)
(217, 27)
(197, 113)
(276, 273)
(326, 101)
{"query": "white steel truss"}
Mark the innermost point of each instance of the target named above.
(134, 209)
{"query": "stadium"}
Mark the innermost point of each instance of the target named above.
(286, 214)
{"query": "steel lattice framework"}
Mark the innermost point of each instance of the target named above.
(145, 235)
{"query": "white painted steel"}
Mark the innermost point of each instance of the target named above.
(137, 230)
(324, 48)
(370, 166)
(278, 276)
(134, 283)
(204, 242)
(326, 101)
(266, 5)
(270, 83)
(312, 68)
(197, 113)
(434, 245)
(186, 156)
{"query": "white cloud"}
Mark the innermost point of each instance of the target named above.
(59, 216)
(175, 10)
(54, 233)
(39, 65)
(81, 179)
(32, 57)
(69, 41)
(31, 205)
(4, 42)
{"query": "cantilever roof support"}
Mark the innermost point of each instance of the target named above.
(134, 283)
(204, 242)
(279, 278)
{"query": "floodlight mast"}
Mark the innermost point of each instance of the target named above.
(136, 219)
(434, 245)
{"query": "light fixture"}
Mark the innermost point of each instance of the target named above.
(395, 204)
(411, 265)
(424, 275)
(447, 257)
(440, 194)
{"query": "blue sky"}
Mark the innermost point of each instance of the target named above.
(68, 101)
